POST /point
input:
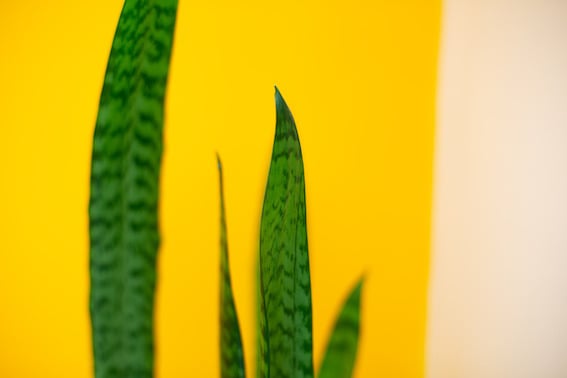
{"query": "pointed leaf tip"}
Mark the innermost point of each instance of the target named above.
(231, 351)
(342, 347)
(219, 162)
(280, 102)
(284, 118)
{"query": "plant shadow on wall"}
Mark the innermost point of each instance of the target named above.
(124, 238)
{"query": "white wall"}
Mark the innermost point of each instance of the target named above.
(498, 290)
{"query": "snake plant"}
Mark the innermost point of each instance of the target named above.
(124, 237)
(126, 159)
(285, 342)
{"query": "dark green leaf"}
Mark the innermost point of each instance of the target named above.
(340, 354)
(285, 285)
(126, 159)
(262, 367)
(232, 356)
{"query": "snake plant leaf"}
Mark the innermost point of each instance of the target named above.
(231, 351)
(340, 355)
(262, 367)
(123, 220)
(285, 285)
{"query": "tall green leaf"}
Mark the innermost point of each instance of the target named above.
(232, 356)
(126, 159)
(340, 354)
(285, 285)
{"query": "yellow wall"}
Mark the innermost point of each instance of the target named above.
(360, 79)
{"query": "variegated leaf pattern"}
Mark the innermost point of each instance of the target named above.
(340, 354)
(231, 351)
(285, 285)
(123, 220)
(262, 367)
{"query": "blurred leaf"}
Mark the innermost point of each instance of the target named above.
(285, 285)
(123, 221)
(232, 356)
(340, 354)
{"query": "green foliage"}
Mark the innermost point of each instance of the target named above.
(232, 356)
(126, 160)
(285, 285)
(340, 354)
(123, 225)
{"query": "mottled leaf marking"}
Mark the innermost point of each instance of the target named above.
(231, 351)
(285, 286)
(126, 159)
(262, 351)
(340, 355)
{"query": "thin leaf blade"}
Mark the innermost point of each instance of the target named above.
(340, 354)
(285, 284)
(126, 160)
(231, 351)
